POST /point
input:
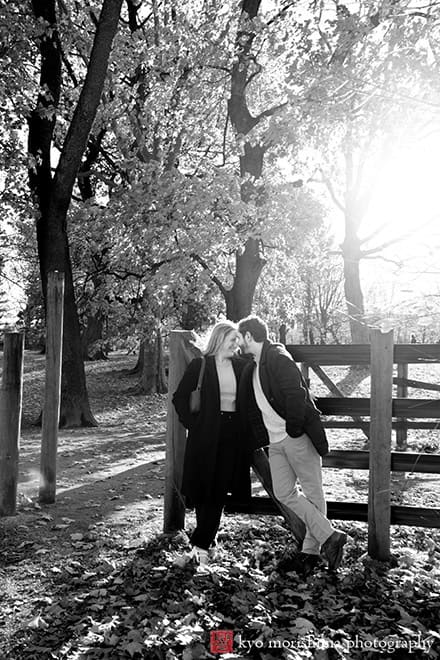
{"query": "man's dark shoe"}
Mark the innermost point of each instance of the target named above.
(333, 549)
(301, 563)
(309, 563)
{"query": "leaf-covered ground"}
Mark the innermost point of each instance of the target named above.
(94, 577)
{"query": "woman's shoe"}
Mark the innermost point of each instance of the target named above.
(200, 556)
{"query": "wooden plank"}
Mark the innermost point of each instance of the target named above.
(402, 392)
(400, 515)
(416, 384)
(305, 372)
(11, 396)
(333, 389)
(339, 424)
(380, 445)
(350, 406)
(181, 352)
(52, 392)
(416, 407)
(415, 516)
(331, 354)
(335, 510)
(416, 353)
(400, 461)
(429, 426)
(359, 354)
(343, 406)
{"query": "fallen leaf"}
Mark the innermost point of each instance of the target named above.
(37, 622)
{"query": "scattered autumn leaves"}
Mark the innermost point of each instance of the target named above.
(93, 577)
(151, 602)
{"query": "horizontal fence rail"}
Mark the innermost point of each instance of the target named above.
(360, 354)
(411, 516)
(339, 424)
(400, 461)
(361, 406)
(406, 408)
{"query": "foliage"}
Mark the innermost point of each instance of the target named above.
(156, 220)
(158, 606)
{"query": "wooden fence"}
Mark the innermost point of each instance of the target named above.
(385, 413)
(11, 393)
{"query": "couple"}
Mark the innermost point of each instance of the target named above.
(246, 405)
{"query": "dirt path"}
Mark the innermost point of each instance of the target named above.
(110, 483)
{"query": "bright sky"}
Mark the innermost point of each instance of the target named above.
(408, 206)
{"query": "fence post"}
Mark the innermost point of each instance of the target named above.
(305, 370)
(174, 506)
(379, 511)
(11, 393)
(402, 392)
(51, 410)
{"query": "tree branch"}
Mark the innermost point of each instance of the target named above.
(76, 138)
(281, 13)
(270, 111)
(398, 239)
(328, 184)
(205, 266)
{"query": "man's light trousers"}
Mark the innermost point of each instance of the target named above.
(295, 461)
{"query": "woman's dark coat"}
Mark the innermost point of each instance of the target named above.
(201, 481)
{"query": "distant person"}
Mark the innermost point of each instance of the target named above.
(283, 416)
(216, 460)
(413, 339)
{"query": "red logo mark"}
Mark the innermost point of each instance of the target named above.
(222, 641)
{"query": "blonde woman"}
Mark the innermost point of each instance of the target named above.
(216, 459)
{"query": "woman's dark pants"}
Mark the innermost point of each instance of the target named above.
(209, 513)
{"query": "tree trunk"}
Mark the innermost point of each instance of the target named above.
(282, 332)
(353, 290)
(93, 333)
(53, 196)
(93, 330)
(74, 408)
(148, 377)
(139, 366)
(249, 262)
(162, 381)
(153, 379)
(356, 204)
(249, 265)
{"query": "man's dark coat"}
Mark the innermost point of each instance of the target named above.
(287, 393)
(201, 479)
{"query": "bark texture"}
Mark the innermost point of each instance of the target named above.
(52, 195)
(249, 261)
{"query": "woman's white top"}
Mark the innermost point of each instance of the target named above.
(228, 385)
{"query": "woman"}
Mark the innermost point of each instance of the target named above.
(216, 460)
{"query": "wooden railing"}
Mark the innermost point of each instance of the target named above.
(401, 410)
(11, 394)
(384, 413)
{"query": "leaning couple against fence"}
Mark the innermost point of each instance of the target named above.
(245, 393)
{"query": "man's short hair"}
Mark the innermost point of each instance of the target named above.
(255, 326)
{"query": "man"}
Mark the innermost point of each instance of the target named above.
(283, 416)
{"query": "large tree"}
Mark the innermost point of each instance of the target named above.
(52, 192)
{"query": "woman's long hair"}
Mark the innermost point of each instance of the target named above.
(217, 336)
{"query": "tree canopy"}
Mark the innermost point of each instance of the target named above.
(185, 160)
